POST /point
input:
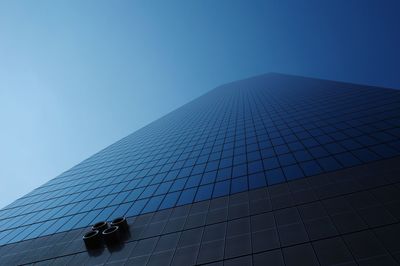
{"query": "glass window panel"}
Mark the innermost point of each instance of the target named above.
(239, 170)
(170, 200)
(257, 180)
(187, 196)
(239, 184)
(311, 168)
(120, 211)
(275, 176)
(204, 192)
(137, 207)
(179, 184)
(152, 204)
(221, 189)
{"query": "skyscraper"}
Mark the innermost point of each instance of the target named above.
(270, 170)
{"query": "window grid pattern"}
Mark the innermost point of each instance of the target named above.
(240, 136)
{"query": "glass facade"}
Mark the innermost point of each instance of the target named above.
(239, 137)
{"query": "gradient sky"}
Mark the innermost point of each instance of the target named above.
(75, 76)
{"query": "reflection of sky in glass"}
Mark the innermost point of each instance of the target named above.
(220, 144)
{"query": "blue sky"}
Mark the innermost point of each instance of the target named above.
(76, 76)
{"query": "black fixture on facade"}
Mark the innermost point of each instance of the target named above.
(93, 239)
(102, 232)
(100, 226)
(112, 235)
(121, 223)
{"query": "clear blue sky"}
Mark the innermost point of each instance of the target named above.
(76, 76)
